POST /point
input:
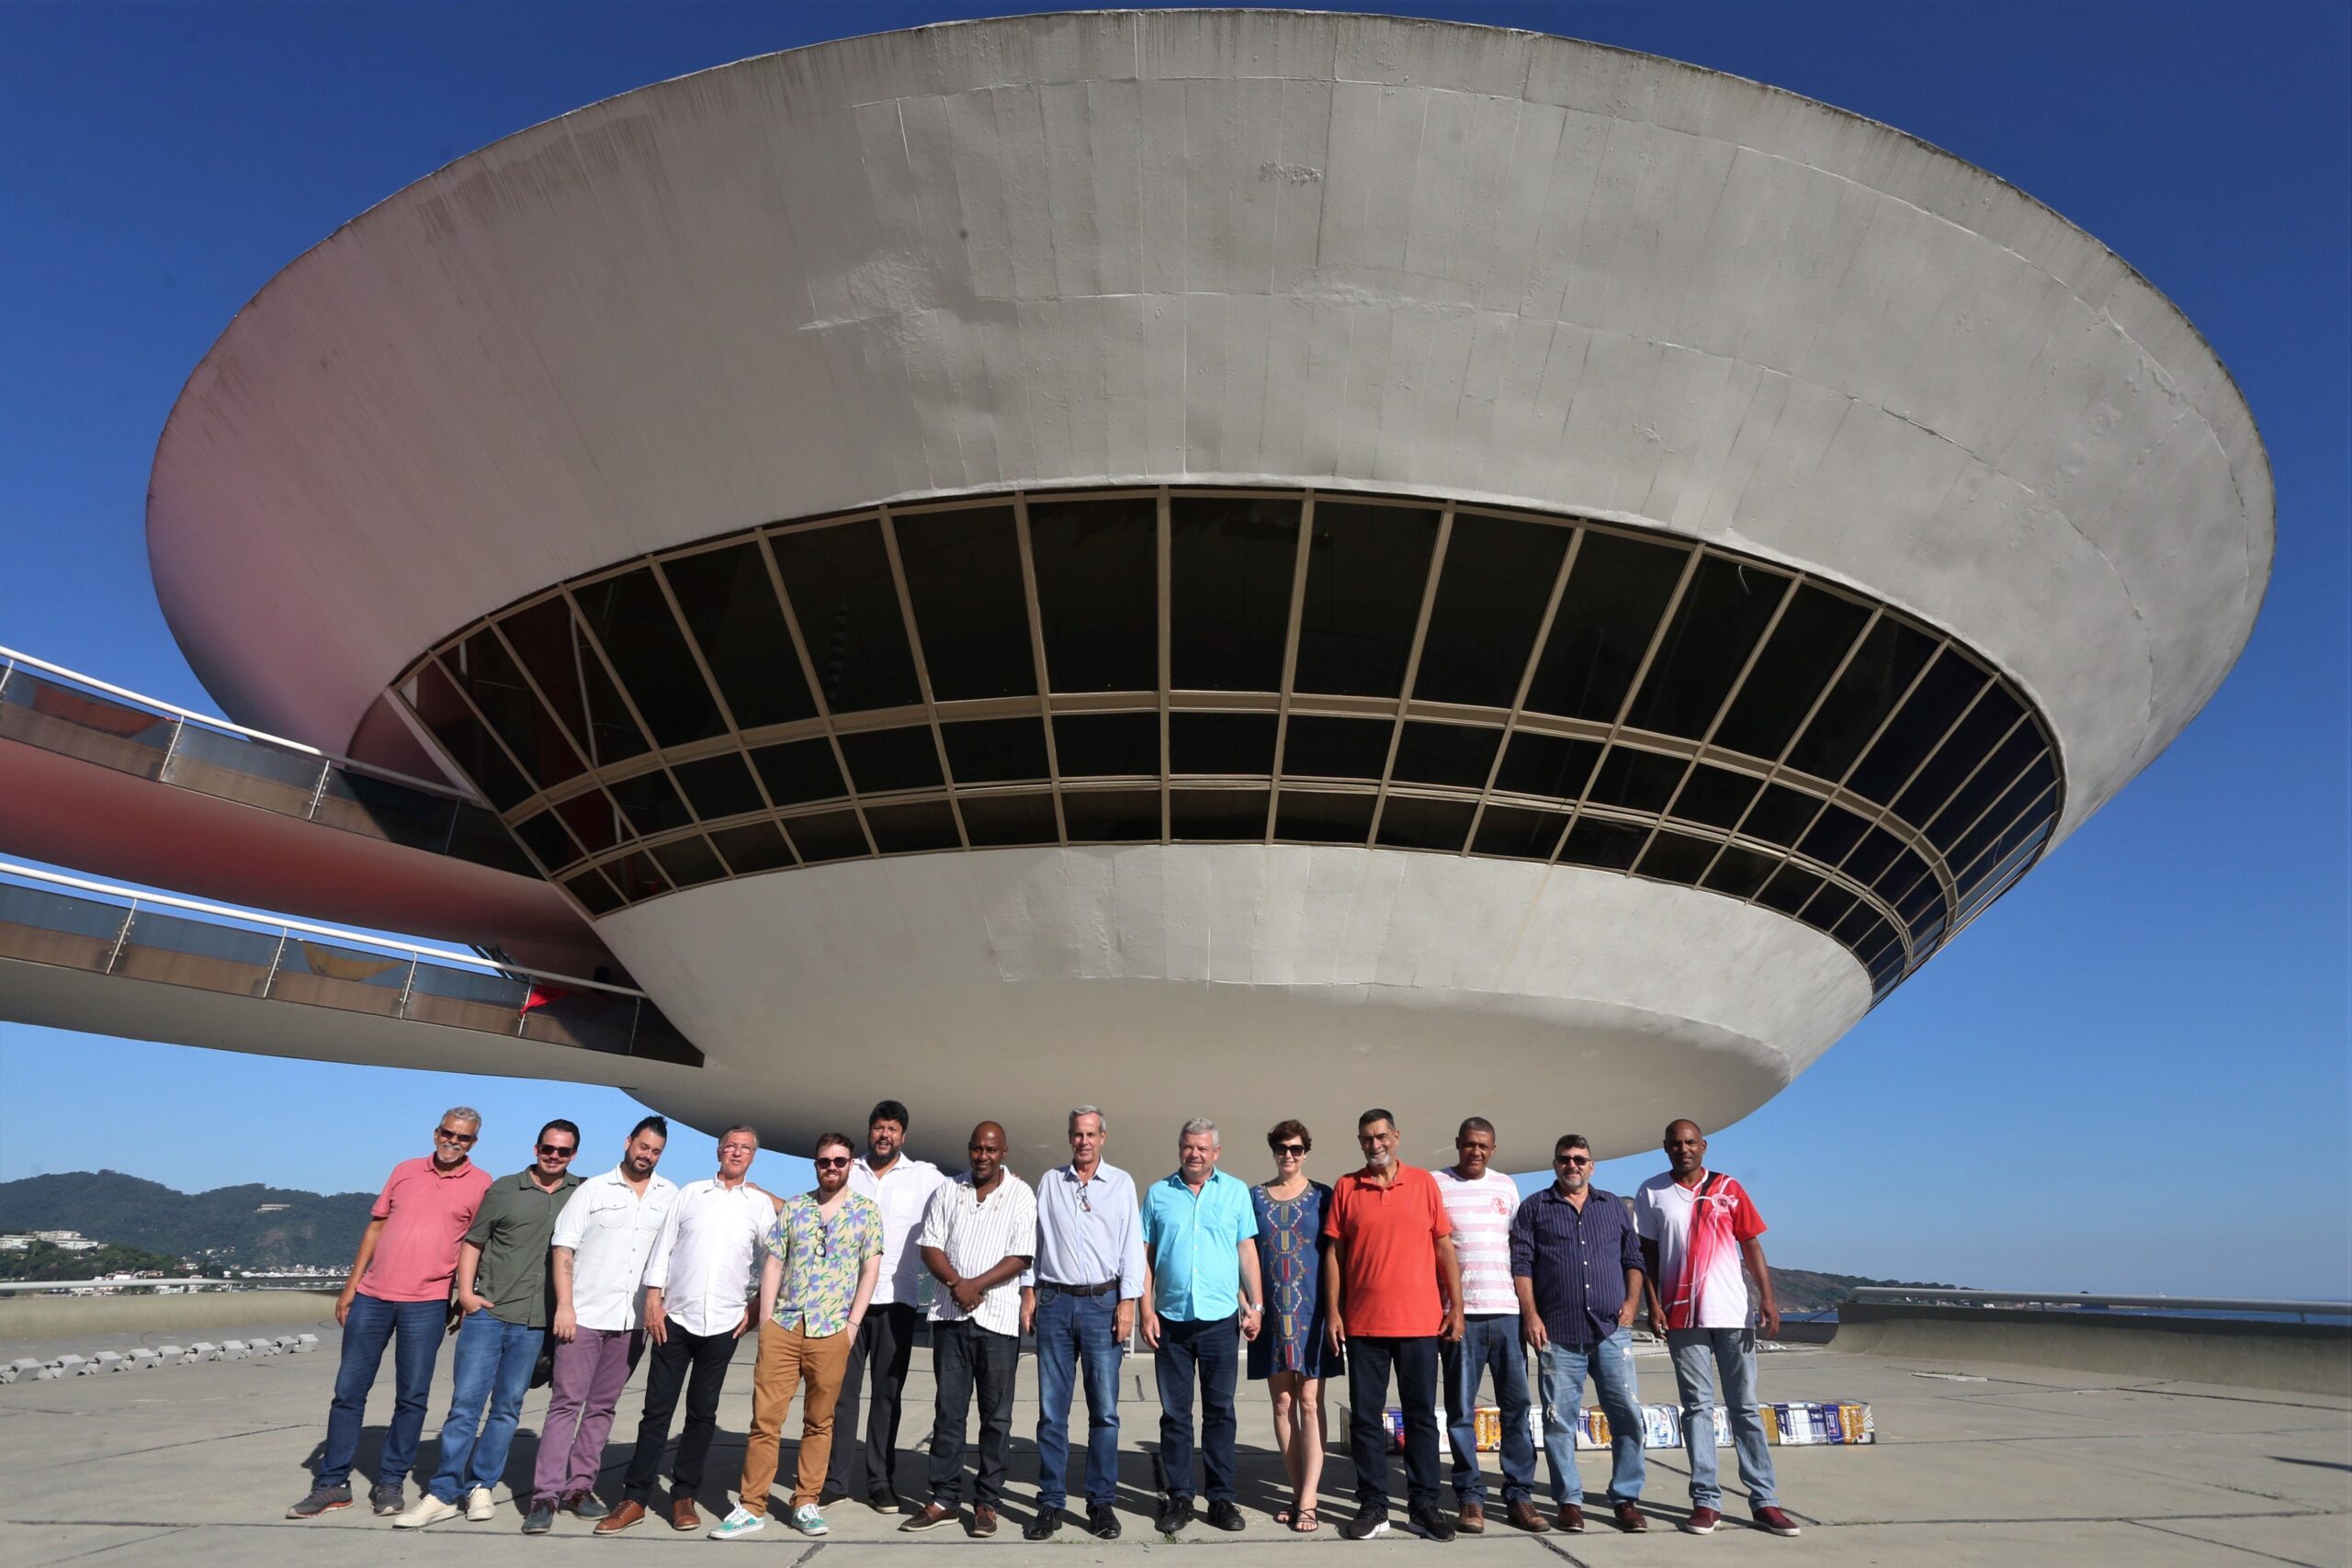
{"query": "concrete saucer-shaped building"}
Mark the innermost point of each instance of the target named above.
(1242, 564)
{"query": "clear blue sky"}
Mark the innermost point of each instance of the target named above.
(2103, 1085)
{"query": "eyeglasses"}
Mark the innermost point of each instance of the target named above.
(556, 1151)
(466, 1138)
(1294, 1150)
(1571, 1159)
(834, 1162)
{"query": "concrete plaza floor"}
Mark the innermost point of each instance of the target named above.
(191, 1467)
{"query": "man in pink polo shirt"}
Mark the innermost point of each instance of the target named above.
(399, 1288)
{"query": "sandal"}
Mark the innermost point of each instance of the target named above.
(1305, 1522)
(1282, 1514)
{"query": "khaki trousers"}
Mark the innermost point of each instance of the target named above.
(790, 1359)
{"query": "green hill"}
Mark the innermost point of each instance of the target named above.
(247, 1227)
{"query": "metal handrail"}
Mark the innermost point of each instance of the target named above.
(189, 716)
(336, 933)
(2091, 1298)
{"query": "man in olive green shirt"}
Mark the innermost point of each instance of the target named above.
(505, 1293)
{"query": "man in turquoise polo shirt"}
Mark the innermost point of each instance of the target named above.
(1200, 1234)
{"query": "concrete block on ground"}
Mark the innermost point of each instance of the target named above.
(173, 1355)
(142, 1358)
(108, 1362)
(235, 1351)
(204, 1350)
(303, 1344)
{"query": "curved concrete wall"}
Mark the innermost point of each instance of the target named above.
(1243, 247)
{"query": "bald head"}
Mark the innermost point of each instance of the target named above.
(1685, 1148)
(987, 1152)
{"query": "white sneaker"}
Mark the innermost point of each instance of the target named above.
(807, 1521)
(426, 1510)
(480, 1508)
(742, 1521)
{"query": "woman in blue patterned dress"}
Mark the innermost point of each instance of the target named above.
(1290, 1353)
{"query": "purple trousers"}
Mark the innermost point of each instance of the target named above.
(588, 1376)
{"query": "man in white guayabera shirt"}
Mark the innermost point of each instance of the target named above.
(1480, 1201)
(900, 1185)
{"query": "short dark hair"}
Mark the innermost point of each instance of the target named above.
(1374, 1115)
(1570, 1141)
(559, 1125)
(657, 1125)
(1473, 1124)
(1281, 1133)
(829, 1140)
(889, 1111)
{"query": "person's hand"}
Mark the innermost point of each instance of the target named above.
(1451, 1332)
(967, 1295)
(470, 1303)
(1625, 1318)
(1531, 1329)
(343, 1305)
(1028, 1314)
(1335, 1334)
(657, 1321)
(1252, 1320)
(1123, 1321)
(566, 1325)
(1151, 1328)
(751, 1315)
(1769, 1322)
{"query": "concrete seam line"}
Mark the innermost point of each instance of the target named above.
(2207, 1541)
(1557, 1550)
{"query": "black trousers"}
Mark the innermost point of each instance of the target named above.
(965, 1356)
(698, 1362)
(885, 1343)
(1370, 1357)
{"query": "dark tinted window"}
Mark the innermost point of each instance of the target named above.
(1229, 590)
(799, 771)
(990, 819)
(913, 826)
(755, 846)
(1828, 906)
(1547, 764)
(1115, 815)
(1519, 832)
(1970, 743)
(1408, 823)
(1217, 814)
(839, 581)
(1307, 817)
(1491, 597)
(1860, 702)
(637, 876)
(1833, 835)
(1098, 591)
(1994, 775)
(633, 621)
(1739, 872)
(1221, 742)
(497, 690)
(1780, 815)
(549, 641)
(1636, 780)
(594, 820)
(828, 835)
(883, 759)
(1675, 857)
(719, 786)
(1095, 745)
(543, 836)
(1610, 846)
(1790, 888)
(1367, 567)
(1616, 592)
(1723, 612)
(469, 744)
(1814, 633)
(996, 750)
(690, 861)
(1716, 796)
(1871, 858)
(964, 578)
(1931, 711)
(651, 801)
(1315, 747)
(595, 894)
(731, 607)
(1457, 755)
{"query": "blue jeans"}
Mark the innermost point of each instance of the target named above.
(1074, 1335)
(1611, 1364)
(1214, 1348)
(1489, 1343)
(1701, 1357)
(369, 1326)
(494, 1362)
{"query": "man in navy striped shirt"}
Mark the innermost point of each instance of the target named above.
(1576, 1264)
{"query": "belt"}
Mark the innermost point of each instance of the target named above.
(1102, 1289)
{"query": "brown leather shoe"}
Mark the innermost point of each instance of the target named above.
(682, 1516)
(1629, 1519)
(932, 1516)
(1472, 1520)
(983, 1520)
(1524, 1515)
(630, 1513)
(1569, 1518)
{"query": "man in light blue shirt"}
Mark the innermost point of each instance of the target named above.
(1088, 1275)
(1202, 1234)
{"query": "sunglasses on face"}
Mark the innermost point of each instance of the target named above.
(832, 1162)
(1571, 1159)
(556, 1151)
(1294, 1151)
(444, 1133)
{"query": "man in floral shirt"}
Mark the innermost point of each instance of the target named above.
(824, 1252)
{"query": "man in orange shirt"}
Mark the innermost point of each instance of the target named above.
(1393, 1249)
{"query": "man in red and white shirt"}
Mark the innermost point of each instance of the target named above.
(1699, 1231)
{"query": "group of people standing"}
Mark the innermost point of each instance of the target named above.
(1392, 1275)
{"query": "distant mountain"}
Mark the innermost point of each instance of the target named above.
(1798, 1291)
(245, 1227)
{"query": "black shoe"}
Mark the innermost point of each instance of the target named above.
(1101, 1522)
(540, 1519)
(1043, 1526)
(1175, 1516)
(831, 1495)
(1224, 1515)
(1430, 1521)
(1368, 1523)
(387, 1498)
(885, 1502)
(321, 1500)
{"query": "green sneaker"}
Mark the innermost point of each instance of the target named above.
(807, 1521)
(742, 1521)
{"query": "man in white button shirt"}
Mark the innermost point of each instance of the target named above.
(701, 1292)
(602, 1237)
(978, 1235)
(900, 1185)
